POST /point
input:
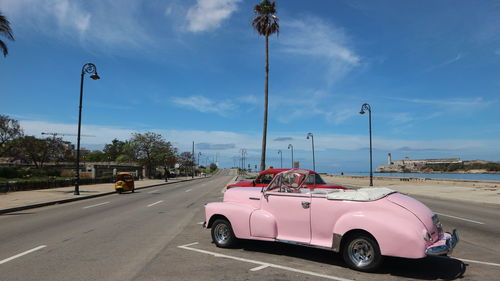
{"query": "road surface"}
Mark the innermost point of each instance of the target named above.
(156, 234)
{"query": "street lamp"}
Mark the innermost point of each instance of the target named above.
(199, 154)
(88, 68)
(312, 139)
(281, 158)
(364, 107)
(290, 146)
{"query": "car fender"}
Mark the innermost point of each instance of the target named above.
(263, 224)
(397, 233)
(238, 215)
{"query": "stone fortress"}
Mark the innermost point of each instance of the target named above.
(408, 165)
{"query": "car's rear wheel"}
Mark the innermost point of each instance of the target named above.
(119, 190)
(361, 252)
(222, 234)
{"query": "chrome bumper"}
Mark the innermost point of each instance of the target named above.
(445, 245)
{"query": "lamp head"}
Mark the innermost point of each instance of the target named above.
(290, 146)
(362, 112)
(95, 76)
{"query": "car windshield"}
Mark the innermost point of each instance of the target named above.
(288, 181)
(314, 179)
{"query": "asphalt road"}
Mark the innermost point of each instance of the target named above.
(155, 234)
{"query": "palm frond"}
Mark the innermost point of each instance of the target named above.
(5, 29)
(4, 49)
(266, 22)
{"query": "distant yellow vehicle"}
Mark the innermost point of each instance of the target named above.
(124, 182)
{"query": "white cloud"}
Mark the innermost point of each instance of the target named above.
(312, 36)
(344, 149)
(447, 62)
(99, 24)
(454, 104)
(209, 14)
(204, 104)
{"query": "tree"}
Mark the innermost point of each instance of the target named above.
(9, 130)
(266, 23)
(150, 150)
(95, 156)
(186, 161)
(6, 31)
(40, 151)
(213, 167)
(115, 149)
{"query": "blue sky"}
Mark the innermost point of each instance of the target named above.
(193, 70)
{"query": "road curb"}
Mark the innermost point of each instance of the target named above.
(38, 205)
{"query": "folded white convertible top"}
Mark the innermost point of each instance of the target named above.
(363, 194)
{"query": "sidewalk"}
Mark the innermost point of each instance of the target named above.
(22, 200)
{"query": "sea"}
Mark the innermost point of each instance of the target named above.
(456, 176)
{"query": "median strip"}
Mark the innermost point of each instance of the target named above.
(22, 254)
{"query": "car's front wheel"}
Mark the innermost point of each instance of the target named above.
(361, 252)
(222, 234)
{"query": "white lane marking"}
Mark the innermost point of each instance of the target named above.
(188, 190)
(480, 262)
(155, 203)
(186, 247)
(458, 218)
(259, 267)
(201, 222)
(91, 206)
(22, 254)
(154, 191)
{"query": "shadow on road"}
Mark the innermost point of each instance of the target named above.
(429, 268)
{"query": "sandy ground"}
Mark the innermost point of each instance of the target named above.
(472, 191)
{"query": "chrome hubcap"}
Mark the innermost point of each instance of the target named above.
(221, 233)
(361, 252)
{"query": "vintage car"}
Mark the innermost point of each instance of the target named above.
(362, 225)
(265, 177)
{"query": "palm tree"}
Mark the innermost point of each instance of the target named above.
(266, 23)
(6, 31)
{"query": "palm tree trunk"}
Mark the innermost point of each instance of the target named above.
(264, 133)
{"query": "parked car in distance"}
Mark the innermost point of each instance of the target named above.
(362, 225)
(265, 177)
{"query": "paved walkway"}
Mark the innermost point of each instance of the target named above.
(20, 200)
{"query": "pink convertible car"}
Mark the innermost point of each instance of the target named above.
(363, 225)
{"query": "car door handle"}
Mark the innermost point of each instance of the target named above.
(306, 204)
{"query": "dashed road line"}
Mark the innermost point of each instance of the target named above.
(459, 218)
(22, 254)
(155, 203)
(262, 264)
(91, 206)
(188, 190)
(154, 191)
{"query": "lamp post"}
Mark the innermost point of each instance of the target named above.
(290, 146)
(281, 158)
(364, 107)
(90, 69)
(312, 139)
(199, 154)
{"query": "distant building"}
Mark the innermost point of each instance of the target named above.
(412, 165)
